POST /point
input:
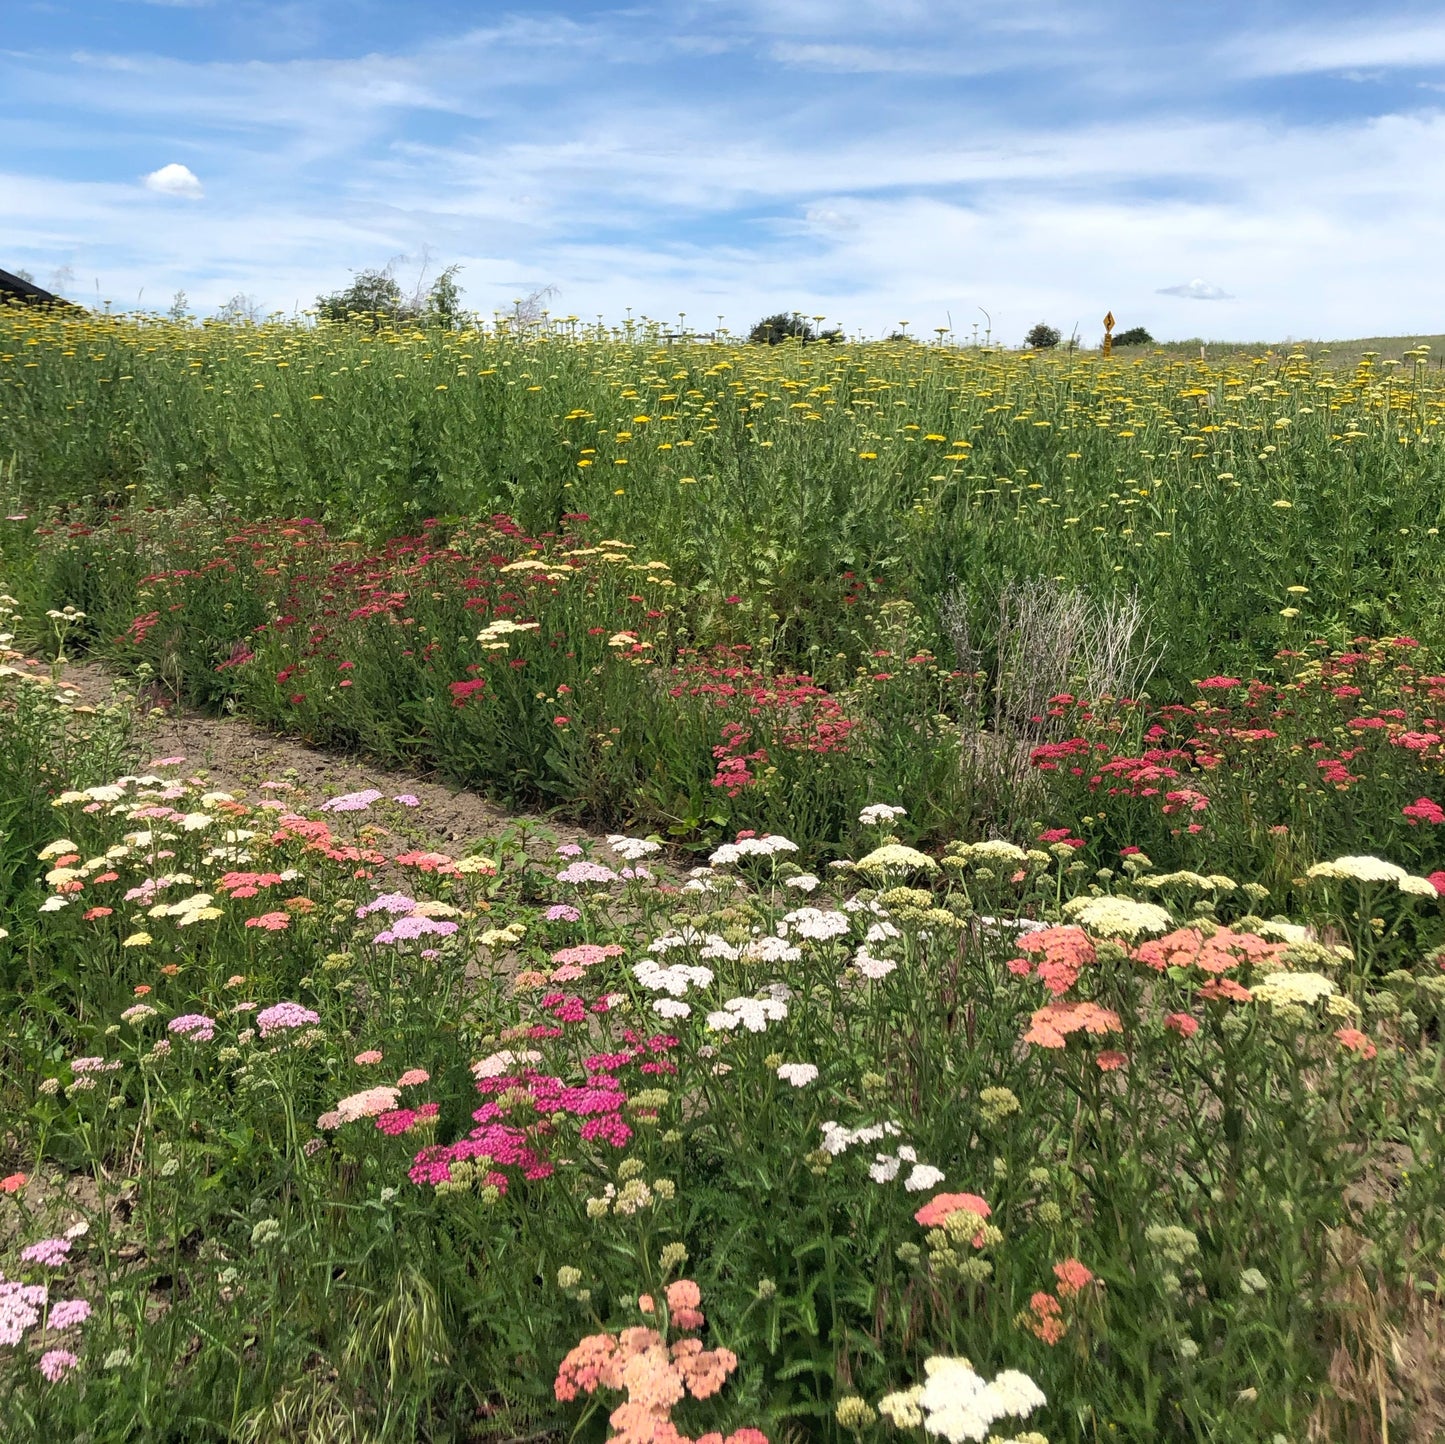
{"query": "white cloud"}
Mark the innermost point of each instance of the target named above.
(1390, 42)
(174, 180)
(1195, 290)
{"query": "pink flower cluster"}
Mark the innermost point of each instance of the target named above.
(195, 1026)
(655, 1377)
(282, 1017)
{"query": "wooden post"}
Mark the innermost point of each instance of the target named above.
(1108, 333)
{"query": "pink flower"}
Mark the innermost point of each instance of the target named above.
(412, 1077)
(1072, 1277)
(282, 1017)
(56, 1363)
(1110, 1060)
(195, 1026)
(1351, 1038)
(271, 922)
(1423, 810)
(50, 1252)
(366, 1059)
(67, 1313)
(1182, 1023)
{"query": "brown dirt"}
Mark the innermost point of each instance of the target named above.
(236, 756)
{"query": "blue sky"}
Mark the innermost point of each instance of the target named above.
(1221, 169)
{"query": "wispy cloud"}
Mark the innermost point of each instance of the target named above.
(1196, 290)
(865, 163)
(1352, 49)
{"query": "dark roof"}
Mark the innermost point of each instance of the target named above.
(14, 288)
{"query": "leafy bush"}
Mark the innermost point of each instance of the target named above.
(1134, 336)
(1043, 337)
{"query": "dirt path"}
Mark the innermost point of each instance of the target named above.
(237, 756)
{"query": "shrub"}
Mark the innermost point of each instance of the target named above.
(1043, 337)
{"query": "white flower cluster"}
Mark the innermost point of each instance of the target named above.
(837, 1140)
(1374, 869)
(816, 924)
(894, 857)
(503, 1062)
(804, 882)
(632, 848)
(493, 636)
(957, 1403)
(676, 979)
(871, 967)
(1118, 917)
(769, 846)
(886, 1167)
(877, 813)
(798, 1074)
(754, 1014)
(709, 945)
(771, 949)
(1293, 988)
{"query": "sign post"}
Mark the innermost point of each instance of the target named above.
(1108, 333)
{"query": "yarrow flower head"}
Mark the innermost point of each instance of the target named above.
(894, 857)
(282, 1017)
(1118, 917)
(195, 1026)
(880, 812)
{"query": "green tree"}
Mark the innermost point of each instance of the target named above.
(372, 297)
(1134, 336)
(1043, 337)
(444, 302)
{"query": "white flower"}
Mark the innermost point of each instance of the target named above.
(715, 946)
(880, 932)
(922, 1177)
(676, 979)
(1361, 869)
(816, 924)
(1118, 917)
(871, 967)
(671, 1008)
(1416, 886)
(754, 1014)
(958, 1404)
(884, 1168)
(771, 950)
(798, 1074)
(877, 812)
(1293, 988)
(632, 848)
(894, 857)
(60, 845)
(54, 904)
(838, 1140)
(698, 884)
(499, 1063)
(767, 846)
(996, 850)
(804, 882)
(1284, 932)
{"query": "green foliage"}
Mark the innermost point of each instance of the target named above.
(1169, 1168)
(373, 297)
(789, 326)
(1134, 336)
(1043, 337)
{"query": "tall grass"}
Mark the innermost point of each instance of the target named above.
(776, 474)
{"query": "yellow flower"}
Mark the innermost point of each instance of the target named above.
(136, 940)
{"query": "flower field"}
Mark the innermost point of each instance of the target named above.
(948, 1031)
